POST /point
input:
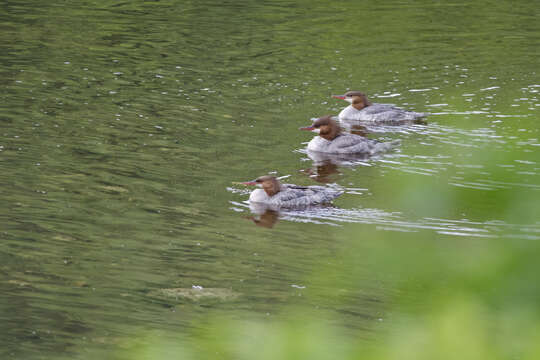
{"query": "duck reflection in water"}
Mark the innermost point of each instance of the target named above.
(325, 168)
(267, 216)
(323, 172)
(263, 215)
(359, 130)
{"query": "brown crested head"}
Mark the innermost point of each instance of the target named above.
(270, 184)
(354, 93)
(328, 127)
(359, 100)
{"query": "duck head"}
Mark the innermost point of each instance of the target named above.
(325, 126)
(270, 184)
(357, 99)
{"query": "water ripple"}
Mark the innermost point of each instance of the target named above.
(394, 221)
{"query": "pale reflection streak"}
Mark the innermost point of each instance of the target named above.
(326, 167)
(385, 221)
(465, 141)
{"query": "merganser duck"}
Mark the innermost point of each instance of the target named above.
(278, 195)
(331, 140)
(361, 109)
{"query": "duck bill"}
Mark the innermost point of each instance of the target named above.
(249, 183)
(341, 97)
(307, 128)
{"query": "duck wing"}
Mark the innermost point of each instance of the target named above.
(299, 196)
(379, 108)
(351, 144)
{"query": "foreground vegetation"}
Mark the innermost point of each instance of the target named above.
(441, 298)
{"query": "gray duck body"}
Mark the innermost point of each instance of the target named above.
(290, 196)
(383, 113)
(349, 144)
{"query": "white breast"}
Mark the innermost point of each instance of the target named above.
(318, 144)
(258, 195)
(350, 113)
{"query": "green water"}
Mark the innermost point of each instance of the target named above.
(124, 124)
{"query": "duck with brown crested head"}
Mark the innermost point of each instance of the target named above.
(332, 140)
(361, 109)
(271, 192)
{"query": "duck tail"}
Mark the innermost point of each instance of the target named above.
(387, 146)
(418, 115)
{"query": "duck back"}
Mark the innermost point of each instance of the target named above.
(384, 113)
(296, 196)
(349, 144)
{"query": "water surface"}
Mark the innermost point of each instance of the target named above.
(124, 124)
